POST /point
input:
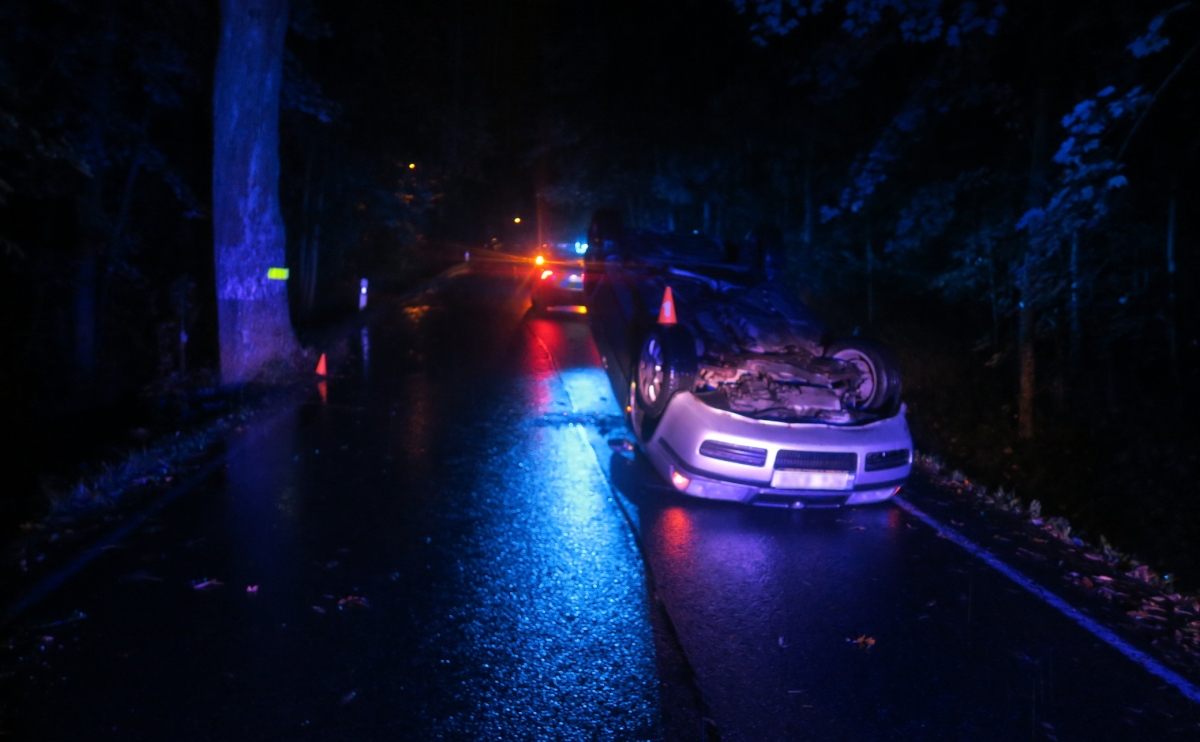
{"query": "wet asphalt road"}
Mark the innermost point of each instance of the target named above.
(445, 547)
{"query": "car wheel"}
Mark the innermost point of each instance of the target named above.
(879, 391)
(666, 364)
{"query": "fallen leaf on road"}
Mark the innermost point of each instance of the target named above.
(353, 601)
(863, 642)
(252, 589)
(206, 584)
(75, 616)
(1142, 572)
(318, 609)
(620, 444)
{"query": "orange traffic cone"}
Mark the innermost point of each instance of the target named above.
(321, 366)
(666, 313)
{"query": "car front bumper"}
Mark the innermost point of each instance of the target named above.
(674, 450)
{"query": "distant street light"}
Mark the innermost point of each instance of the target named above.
(517, 220)
(412, 166)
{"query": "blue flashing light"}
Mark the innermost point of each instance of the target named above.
(580, 248)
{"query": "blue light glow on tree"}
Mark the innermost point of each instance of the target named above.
(248, 231)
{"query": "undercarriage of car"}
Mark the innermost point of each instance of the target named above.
(761, 356)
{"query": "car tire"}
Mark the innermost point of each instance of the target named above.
(665, 365)
(881, 372)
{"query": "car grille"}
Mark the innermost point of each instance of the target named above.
(817, 460)
(732, 452)
(877, 460)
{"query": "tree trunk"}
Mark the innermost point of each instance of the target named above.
(1025, 354)
(870, 287)
(310, 285)
(1075, 346)
(248, 232)
(310, 250)
(1172, 335)
(85, 316)
(808, 198)
(785, 214)
(89, 268)
(1026, 335)
(993, 299)
(302, 259)
(94, 224)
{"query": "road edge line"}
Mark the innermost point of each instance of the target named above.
(1106, 635)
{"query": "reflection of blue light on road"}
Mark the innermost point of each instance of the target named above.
(553, 600)
(590, 391)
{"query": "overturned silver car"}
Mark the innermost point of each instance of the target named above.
(731, 386)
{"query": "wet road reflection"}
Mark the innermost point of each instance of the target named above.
(435, 551)
(768, 605)
(438, 556)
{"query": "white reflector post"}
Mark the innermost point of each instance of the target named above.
(362, 294)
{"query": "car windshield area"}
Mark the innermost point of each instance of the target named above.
(674, 248)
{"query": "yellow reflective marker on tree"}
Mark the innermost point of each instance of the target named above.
(277, 274)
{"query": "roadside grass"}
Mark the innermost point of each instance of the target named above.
(106, 490)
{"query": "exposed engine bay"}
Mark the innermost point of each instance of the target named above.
(788, 388)
(761, 354)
